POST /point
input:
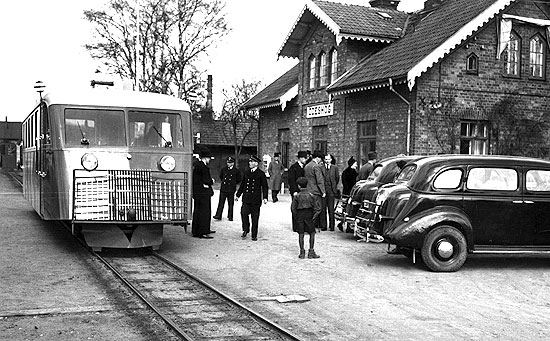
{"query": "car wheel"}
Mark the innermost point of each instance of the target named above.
(444, 249)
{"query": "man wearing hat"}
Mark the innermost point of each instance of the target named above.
(314, 173)
(296, 171)
(367, 168)
(202, 192)
(253, 188)
(230, 176)
(275, 171)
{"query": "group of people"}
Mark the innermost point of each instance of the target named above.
(313, 183)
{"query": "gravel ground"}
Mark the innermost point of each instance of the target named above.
(52, 289)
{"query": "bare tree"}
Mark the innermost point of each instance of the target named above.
(174, 36)
(241, 122)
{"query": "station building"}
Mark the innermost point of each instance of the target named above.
(10, 144)
(458, 76)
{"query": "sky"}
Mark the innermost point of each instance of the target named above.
(44, 41)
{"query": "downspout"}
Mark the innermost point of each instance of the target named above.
(390, 81)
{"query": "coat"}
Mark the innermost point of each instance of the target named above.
(315, 178)
(365, 171)
(332, 178)
(202, 181)
(276, 171)
(294, 172)
(229, 179)
(254, 187)
(349, 178)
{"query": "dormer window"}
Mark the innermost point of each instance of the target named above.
(312, 74)
(511, 56)
(472, 64)
(324, 72)
(536, 57)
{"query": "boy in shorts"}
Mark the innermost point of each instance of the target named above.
(304, 207)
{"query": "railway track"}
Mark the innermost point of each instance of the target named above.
(193, 309)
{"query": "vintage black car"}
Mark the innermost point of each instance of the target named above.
(459, 204)
(383, 172)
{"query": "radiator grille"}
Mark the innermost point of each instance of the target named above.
(130, 195)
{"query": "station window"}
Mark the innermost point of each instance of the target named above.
(366, 139)
(511, 56)
(320, 134)
(472, 64)
(474, 137)
(333, 65)
(312, 73)
(536, 57)
(323, 70)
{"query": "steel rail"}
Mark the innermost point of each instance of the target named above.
(255, 314)
(171, 324)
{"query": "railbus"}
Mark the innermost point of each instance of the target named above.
(114, 165)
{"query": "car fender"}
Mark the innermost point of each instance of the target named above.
(410, 231)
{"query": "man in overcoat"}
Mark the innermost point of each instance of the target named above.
(313, 172)
(296, 171)
(253, 188)
(332, 178)
(276, 171)
(367, 168)
(202, 193)
(230, 176)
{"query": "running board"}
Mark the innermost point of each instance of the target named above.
(489, 249)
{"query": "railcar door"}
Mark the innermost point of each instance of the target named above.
(43, 162)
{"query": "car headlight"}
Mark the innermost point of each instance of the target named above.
(167, 163)
(89, 162)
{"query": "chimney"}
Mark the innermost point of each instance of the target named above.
(430, 5)
(209, 93)
(385, 4)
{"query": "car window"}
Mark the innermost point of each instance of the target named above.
(538, 180)
(375, 172)
(406, 173)
(493, 179)
(448, 179)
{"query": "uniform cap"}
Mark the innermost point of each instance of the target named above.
(230, 159)
(254, 158)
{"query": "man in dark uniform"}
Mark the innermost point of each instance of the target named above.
(253, 188)
(202, 192)
(230, 176)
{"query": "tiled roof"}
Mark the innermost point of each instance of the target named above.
(430, 37)
(345, 21)
(271, 95)
(220, 133)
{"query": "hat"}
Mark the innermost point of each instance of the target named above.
(318, 153)
(351, 161)
(205, 152)
(302, 182)
(254, 158)
(230, 159)
(302, 153)
(371, 155)
(277, 154)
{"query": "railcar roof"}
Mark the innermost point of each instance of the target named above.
(117, 98)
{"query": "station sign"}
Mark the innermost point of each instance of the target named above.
(320, 110)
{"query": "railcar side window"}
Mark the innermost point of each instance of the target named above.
(155, 130)
(493, 179)
(94, 127)
(448, 179)
(538, 180)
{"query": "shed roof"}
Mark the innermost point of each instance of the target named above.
(276, 93)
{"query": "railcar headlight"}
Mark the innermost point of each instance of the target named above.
(89, 162)
(167, 163)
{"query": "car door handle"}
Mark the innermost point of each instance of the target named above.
(517, 202)
(528, 202)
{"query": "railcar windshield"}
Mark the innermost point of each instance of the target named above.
(155, 130)
(94, 127)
